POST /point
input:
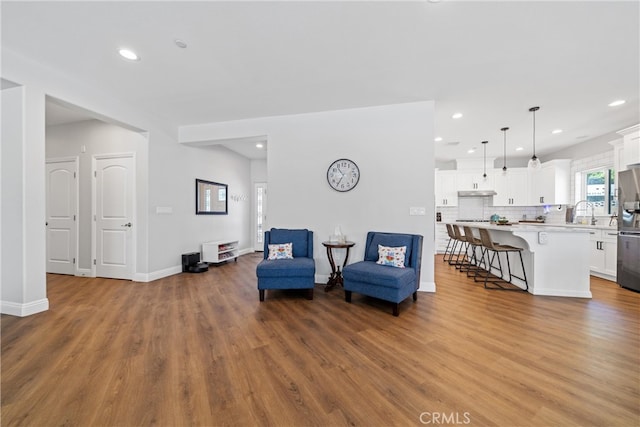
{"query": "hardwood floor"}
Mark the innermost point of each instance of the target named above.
(200, 349)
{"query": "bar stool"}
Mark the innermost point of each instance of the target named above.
(451, 244)
(464, 247)
(474, 243)
(489, 245)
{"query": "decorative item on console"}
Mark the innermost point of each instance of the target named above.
(337, 236)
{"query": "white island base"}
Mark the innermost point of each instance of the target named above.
(556, 259)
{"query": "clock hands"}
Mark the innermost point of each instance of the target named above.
(343, 175)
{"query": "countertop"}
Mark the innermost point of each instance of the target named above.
(531, 226)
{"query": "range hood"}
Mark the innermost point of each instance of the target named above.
(477, 193)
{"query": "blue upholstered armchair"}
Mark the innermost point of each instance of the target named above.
(386, 282)
(291, 273)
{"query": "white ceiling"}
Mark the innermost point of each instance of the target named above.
(489, 60)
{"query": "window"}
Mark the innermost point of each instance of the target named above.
(597, 187)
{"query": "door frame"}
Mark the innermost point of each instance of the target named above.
(254, 223)
(76, 161)
(94, 201)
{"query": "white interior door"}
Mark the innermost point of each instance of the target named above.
(260, 215)
(114, 216)
(61, 212)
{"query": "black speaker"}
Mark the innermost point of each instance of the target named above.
(191, 263)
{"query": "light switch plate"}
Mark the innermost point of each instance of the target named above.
(166, 210)
(414, 211)
(543, 237)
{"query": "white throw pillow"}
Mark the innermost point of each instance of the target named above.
(281, 251)
(393, 257)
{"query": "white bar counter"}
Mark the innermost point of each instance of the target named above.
(556, 258)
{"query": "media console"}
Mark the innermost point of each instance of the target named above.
(223, 250)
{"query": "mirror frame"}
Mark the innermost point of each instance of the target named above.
(215, 187)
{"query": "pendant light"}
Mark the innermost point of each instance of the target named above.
(504, 162)
(484, 146)
(534, 162)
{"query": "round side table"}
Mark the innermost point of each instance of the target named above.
(336, 275)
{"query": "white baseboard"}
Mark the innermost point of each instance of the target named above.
(603, 276)
(427, 287)
(23, 310)
(84, 272)
(321, 278)
(155, 275)
(561, 293)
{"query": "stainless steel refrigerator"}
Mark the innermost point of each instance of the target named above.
(628, 271)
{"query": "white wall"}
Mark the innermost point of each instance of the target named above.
(23, 288)
(174, 169)
(301, 147)
(169, 180)
(96, 137)
(393, 148)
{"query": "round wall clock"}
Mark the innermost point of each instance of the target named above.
(343, 175)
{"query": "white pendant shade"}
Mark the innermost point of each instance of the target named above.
(534, 163)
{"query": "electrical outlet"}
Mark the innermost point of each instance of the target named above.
(543, 237)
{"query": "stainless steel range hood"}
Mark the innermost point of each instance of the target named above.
(477, 193)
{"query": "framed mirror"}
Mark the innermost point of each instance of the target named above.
(211, 198)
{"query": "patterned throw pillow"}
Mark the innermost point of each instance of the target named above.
(281, 251)
(393, 257)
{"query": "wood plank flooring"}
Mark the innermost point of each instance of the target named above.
(201, 350)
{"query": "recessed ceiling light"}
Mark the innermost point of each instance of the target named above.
(519, 148)
(616, 103)
(437, 139)
(259, 145)
(471, 150)
(180, 43)
(556, 131)
(456, 116)
(129, 54)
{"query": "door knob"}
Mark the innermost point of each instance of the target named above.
(127, 224)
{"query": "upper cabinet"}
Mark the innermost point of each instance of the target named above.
(512, 188)
(631, 150)
(550, 185)
(446, 188)
(619, 162)
(469, 180)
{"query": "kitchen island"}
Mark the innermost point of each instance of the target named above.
(556, 258)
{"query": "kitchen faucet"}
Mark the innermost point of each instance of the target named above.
(575, 211)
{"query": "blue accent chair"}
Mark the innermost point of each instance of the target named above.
(296, 273)
(382, 281)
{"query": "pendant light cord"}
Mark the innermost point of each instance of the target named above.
(533, 110)
(504, 161)
(484, 143)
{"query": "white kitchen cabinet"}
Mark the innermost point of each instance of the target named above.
(550, 185)
(604, 252)
(441, 237)
(469, 180)
(631, 137)
(446, 188)
(512, 188)
(619, 161)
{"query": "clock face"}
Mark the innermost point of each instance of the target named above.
(343, 175)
